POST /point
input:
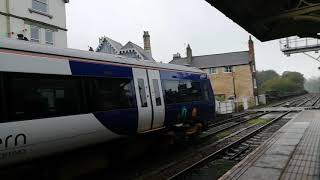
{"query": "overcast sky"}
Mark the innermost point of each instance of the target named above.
(173, 24)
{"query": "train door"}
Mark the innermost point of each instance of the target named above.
(143, 99)
(156, 99)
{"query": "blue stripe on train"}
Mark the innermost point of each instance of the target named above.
(99, 70)
(171, 75)
(122, 121)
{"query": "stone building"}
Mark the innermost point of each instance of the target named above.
(131, 50)
(232, 75)
(39, 21)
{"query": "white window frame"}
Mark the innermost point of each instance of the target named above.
(43, 2)
(45, 36)
(213, 72)
(228, 69)
(39, 34)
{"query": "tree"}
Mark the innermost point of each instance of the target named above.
(280, 84)
(296, 78)
(288, 82)
(264, 76)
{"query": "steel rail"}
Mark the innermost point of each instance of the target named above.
(222, 150)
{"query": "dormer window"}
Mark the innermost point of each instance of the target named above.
(40, 5)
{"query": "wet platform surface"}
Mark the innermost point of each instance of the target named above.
(291, 153)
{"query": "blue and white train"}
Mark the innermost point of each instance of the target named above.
(54, 100)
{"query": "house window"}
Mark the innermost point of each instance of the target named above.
(228, 69)
(40, 5)
(35, 34)
(49, 37)
(213, 71)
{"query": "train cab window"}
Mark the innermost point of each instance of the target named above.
(142, 92)
(42, 97)
(157, 91)
(206, 95)
(194, 90)
(182, 91)
(111, 93)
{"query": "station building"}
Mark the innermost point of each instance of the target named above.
(130, 49)
(232, 75)
(39, 21)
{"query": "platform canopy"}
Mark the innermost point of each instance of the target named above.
(273, 19)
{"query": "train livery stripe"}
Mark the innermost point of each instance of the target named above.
(170, 75)
(99, 70)
(122, 122)
(18, 63)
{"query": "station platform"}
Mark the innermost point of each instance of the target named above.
(292, 153)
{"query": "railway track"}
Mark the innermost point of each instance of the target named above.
(241, 151)
(230, 123)
(242, 139)
(207, 153)
(296, 99)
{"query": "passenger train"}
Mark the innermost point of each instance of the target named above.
(54, 100)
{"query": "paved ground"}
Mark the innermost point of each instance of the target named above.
(291, 153)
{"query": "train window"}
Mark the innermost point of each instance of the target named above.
(157, 91)
(194, 90)
(206, 91)
(42, 97)
(111, 93)
(142, 92)
(182, 91)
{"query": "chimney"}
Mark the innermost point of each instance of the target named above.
(189, 55)
(175, 56)
(251, 50)
(146, 41)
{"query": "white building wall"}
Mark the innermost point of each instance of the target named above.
(3, 5)
(56, 11)
(3, 26)
(62, 40)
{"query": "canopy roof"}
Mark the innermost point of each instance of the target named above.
(273, 19)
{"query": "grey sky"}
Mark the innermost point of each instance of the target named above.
(172, 25)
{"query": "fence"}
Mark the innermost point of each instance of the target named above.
(225, 107)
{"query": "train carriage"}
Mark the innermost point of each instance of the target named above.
(54, 100)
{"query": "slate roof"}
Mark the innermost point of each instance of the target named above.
(216, 60)
(114, 43)
(131, 45)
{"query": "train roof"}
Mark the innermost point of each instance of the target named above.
(20, 45)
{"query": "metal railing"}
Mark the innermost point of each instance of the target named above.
(295, 44)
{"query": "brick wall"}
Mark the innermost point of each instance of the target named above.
(242, 76)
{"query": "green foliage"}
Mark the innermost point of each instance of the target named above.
(263, 76)
(288, 82)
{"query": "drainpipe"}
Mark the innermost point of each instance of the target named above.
(8, 18)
